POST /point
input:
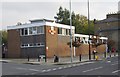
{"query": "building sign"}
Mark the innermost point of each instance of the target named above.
(52, 30)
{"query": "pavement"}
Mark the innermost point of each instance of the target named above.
(50, 61)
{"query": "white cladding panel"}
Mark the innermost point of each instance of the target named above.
(40, 24)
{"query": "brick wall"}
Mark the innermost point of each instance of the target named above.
(51, 42)
(13, 44)
(84, 49)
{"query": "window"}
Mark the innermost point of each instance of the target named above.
(22, 45)
(42, 44)
(34, 31)
(67, 32)
(25, 31)
(38, 44)
(30, 30)
(59, 30)
(41, 29)
(63, 32)
(25, 45)
(22, 31)
(73, 31)
(33, 45)
(38, 29)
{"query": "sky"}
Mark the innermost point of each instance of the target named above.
(13, 11)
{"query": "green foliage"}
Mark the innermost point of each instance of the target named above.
(4, 34)
(79, 21)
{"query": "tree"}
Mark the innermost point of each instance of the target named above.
(79, 21)
(63, 16)
(81, 24)
(4, 36)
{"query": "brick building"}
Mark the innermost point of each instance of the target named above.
(44, 37)
(109, 27)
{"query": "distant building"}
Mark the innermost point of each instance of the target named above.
(44, 37)
(109, 27)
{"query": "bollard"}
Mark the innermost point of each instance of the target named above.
(57, 58)
(96, 57)
(54, 58)
(110, 54)
(45, 59)
(80, 57)
(38, 58)
(28, 57)
(114, 54)
(105, 54)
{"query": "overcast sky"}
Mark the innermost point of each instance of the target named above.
(22, 11)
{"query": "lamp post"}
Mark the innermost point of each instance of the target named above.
(89, 31)
(71, 34)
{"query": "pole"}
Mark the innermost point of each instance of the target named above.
(71, 34)
(89, 31)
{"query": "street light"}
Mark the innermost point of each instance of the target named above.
(70, 34)
(89, 31)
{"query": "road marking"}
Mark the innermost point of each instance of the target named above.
(109, 61)
(48, 70)
(33, 73)
(33, 70)
(69, 66)
(43, 70)
(60, 68)
(78, 64)
(21, 68)
(114, 64)
(116, 71)
(54, 68)
(93, 69)
(86, 63)
(64, 67)
(74, 64)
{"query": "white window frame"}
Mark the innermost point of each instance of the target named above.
(33, 45)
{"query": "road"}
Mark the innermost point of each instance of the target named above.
(103, 67)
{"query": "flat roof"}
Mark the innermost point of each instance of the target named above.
(40, 22)
(82, 35)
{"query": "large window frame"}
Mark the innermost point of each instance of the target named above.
(32, 31)
(64, 31)
(29, 45)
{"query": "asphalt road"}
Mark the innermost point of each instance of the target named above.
(104, 67)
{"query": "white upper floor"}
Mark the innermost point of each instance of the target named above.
(40, 22)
